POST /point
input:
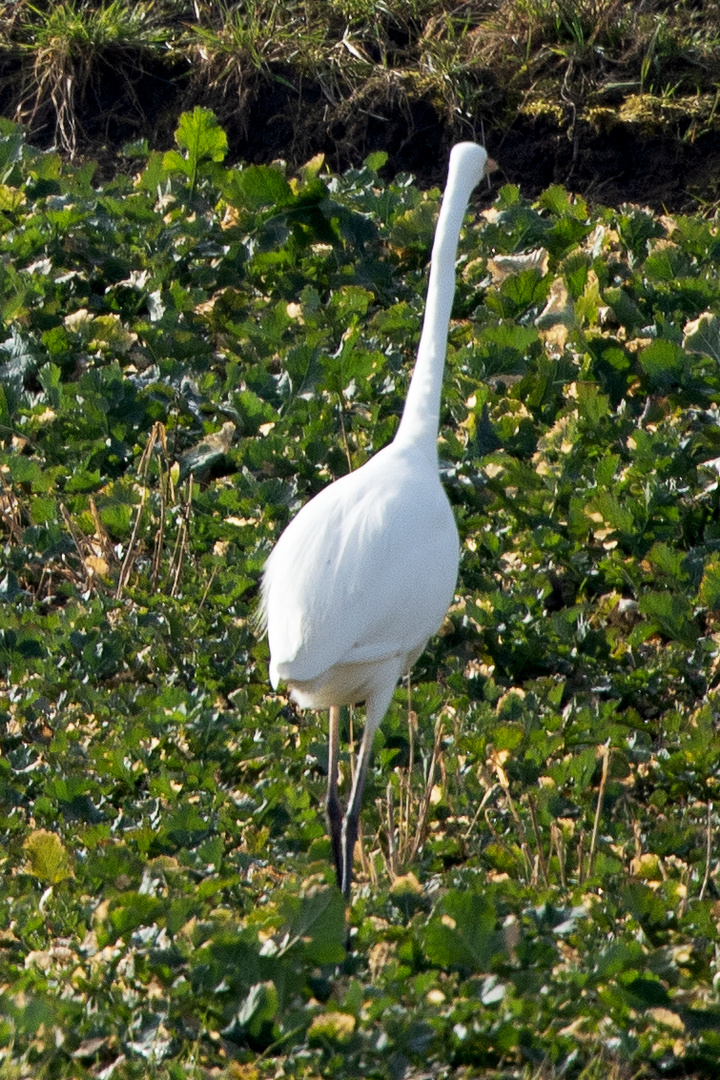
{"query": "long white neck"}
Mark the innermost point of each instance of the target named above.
(421, 415)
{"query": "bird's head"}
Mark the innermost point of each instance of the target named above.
(471, 160)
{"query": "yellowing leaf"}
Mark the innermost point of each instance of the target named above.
(311, 168)
(710, 584)
(10, 199)
(502, 265)
(334, 1027)
(108, 332)
(78, 320)
(702, 335)
(48, 859)
(405, 884)
(95, 564)
(559, 308)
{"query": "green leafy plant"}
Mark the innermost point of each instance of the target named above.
(190, 353)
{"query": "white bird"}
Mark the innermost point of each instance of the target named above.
(365, 572)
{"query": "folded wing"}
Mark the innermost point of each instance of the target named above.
(365, 571)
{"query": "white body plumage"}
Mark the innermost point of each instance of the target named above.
(364, 574)
(360, 579)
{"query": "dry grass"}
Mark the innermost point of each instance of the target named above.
(64, 47)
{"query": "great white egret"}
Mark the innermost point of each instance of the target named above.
(365, 572)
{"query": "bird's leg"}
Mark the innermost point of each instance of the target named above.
(334, 812)
(352, 814)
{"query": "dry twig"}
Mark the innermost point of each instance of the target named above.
(605, 755)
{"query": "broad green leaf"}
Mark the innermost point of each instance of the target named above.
(47, 857)
(24, 470)
(618, 956)
(593, 405)
(702, 335)
(664, 362)
(315, 924)
(50, 377)
(710, 584)
(258, 186)
(200, 135)
(672, 615)
(509, 195)
(43, 509)
(669, 560)
(415, 228)
(565, 235)
(606, 470)
(462, 933)
(154, 175)
(351, 300)
(659, 266)
(645, 905)
(526, 288)
(117, 517)
(257, 1010)
(607, 509)
(46, 167)
(558, 201)
(174, 162)
(204, 143)
(509, 335)
(575, 269)
(376, 160)
(11, 199)
(587, 305)
(624, 308)
(136, 909)
(507, 736)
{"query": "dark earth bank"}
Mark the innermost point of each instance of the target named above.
(273, 116)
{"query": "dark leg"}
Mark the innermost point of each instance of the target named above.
(352, 815)
(334, 811)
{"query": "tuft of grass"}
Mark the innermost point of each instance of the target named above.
(65, 43)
